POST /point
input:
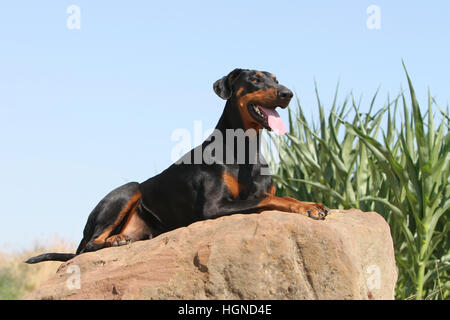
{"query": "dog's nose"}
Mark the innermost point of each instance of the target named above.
(285, 93)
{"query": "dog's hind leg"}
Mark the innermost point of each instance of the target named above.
(135, 228)
(115, 214)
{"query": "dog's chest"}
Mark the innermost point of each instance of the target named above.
(253, 182)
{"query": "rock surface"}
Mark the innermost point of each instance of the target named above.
(272, 255)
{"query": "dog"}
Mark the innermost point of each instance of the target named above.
(230, 178)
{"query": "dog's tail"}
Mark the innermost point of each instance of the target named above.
(51, 257)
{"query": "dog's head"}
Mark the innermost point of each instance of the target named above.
(256, 94)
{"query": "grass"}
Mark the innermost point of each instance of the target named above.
(394, 160)
(17, 278)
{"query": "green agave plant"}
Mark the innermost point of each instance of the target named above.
(372, 163)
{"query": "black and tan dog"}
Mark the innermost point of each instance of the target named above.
(189, 190)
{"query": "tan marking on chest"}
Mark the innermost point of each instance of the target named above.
(231, 183)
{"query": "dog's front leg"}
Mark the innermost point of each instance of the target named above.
(286, 204)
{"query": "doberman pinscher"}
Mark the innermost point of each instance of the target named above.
(225, 181)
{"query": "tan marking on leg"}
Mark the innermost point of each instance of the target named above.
(277, 203)
(132, 203)
(136, 228)
(288, 204)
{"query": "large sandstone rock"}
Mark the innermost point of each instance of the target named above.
(272, 255)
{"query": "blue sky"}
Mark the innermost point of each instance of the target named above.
(84, 111)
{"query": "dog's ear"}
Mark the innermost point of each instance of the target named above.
(224, 86)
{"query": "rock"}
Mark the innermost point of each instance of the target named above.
(272, 255)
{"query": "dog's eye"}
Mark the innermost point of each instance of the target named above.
(257, 80)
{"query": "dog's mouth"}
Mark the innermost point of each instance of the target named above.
(267, 117)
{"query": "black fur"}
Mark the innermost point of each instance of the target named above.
(188, 192)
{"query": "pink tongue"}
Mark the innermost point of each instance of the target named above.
(275, 121)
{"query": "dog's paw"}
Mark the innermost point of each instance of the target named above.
(319, 213)
(316, 211)
(118, 240)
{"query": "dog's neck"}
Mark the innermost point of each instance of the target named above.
(231, 122)
(231, 117)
